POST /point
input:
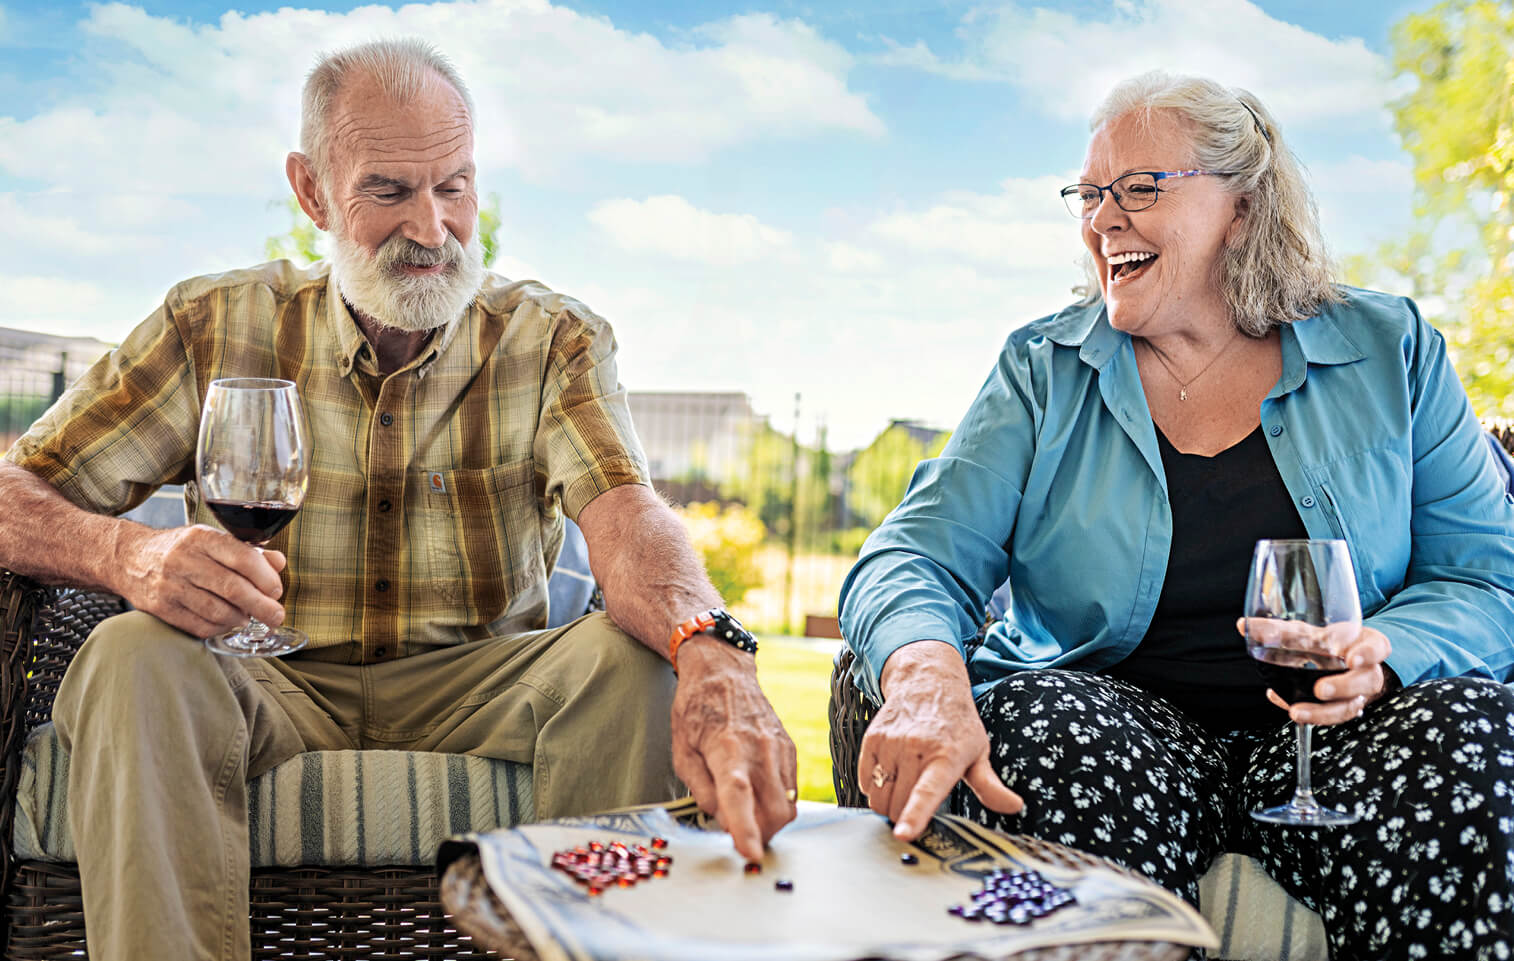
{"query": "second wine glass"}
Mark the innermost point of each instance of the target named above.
(1301, 611)
(252, 465)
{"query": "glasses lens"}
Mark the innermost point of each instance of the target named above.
(1135, 191)
(1081, 199)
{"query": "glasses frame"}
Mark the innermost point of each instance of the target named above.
(1156, 175)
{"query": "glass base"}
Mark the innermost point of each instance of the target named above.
(1313, 816)
(258, 640)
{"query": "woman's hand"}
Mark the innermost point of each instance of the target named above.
(1344, 696)
(926, 738)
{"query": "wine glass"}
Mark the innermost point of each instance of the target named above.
(1302, 610)
(253, 467)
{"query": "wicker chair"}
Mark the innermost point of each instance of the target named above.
(314, 911)
(1257, 912)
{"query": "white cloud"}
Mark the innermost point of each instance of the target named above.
(50, 303)
(1362, 175)
(848, 258)
(213, 108)
(1024, 226)
(1067, 63)
(672, 226)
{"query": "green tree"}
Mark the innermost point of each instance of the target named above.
(300, 243)
(1457, 123)
(877, 479)
(727, 539)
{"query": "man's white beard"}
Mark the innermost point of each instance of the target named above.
(375, 285)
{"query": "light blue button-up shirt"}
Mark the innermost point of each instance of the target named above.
(1053, 483)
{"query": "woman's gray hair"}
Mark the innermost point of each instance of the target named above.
(401, 66)
(1278, 270)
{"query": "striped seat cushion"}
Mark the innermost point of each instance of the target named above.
(1254, 917)
(334, 808)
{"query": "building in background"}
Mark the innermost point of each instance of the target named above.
(34, 370)
(694, 439)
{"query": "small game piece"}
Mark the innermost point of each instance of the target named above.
(752, 867)
(783, 884)
(909, 857)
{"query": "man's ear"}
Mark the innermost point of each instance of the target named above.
(307, 189)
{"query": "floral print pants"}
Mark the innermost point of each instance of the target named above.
(1428, 871)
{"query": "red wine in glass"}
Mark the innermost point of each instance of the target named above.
(252, 467)
(1301, 610)
(1292, 674)
(252, 521)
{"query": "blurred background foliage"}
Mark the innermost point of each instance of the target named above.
(1457, 125)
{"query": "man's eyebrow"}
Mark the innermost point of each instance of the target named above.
(379, 182)
(466, 170)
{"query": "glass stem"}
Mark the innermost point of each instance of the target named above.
(1303, 795)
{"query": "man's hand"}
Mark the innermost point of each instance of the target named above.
(926, 738)
(200, 580)
(729, 747)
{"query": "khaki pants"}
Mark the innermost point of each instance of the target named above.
(164, 736)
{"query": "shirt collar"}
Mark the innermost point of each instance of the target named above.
(352, 344)
(1085, 326)
(1318, 340)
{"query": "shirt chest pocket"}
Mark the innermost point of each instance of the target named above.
(476, 535)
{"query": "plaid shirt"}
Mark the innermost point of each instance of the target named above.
(434, 512)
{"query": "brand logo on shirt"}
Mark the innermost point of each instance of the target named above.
(436, 483)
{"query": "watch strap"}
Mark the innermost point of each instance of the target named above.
(715, 623)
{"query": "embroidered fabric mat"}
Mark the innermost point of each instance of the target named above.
(852, 896)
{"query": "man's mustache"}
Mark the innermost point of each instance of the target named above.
(402, 250)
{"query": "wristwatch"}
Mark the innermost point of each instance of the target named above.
(716, 623)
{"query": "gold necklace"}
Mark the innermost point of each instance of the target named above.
(1182, 387)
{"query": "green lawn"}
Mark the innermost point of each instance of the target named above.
(796, 679)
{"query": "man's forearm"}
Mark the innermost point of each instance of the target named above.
(641, 556)
(44, 536)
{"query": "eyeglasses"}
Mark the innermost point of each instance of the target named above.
(1134, 191)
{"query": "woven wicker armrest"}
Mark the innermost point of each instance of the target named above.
(40, 630)
(19, 599)
(850, 712)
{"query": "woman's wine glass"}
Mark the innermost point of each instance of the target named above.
(1302, 610)
(253, 467)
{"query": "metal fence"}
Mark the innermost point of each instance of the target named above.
(777, 518)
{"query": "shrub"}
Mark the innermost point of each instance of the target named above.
(727, 539)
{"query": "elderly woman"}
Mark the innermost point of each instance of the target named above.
(1115, 471)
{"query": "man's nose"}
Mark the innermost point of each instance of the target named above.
(425, 224)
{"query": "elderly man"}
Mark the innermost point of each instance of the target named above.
(455, 417)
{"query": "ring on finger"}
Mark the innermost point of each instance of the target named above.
(880, 777)
(791, 795)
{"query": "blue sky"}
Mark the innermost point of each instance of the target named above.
(851, 201)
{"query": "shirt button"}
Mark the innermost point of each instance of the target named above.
(387, 419)
(1308, 501)
(1276, 429)
(384, 506)
(382, 585)
(380, 651)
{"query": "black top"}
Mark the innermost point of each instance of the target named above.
(1192, 654)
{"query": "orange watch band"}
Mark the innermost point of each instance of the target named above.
(715, 623)
(686, 630)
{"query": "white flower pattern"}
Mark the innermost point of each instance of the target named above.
(1428, 871)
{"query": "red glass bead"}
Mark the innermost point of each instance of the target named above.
(659, 843)
(752, 867)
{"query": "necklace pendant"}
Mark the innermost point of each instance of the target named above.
(1182, 393)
